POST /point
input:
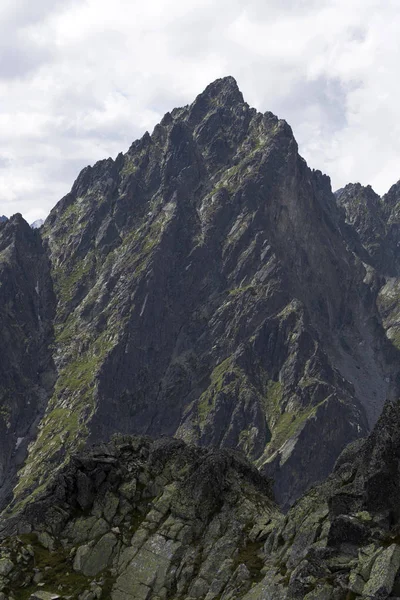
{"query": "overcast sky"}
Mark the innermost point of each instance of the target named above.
(81, 79)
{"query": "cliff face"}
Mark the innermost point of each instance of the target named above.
(341, 540)
(27, 371)
(209, 286)
(375, 225)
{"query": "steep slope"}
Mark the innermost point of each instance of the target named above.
(204, 290)
(389, 294)
(27, 373)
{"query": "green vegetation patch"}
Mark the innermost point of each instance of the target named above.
(289, 424)
(283, 424)
(63, 428)
(56, 569)
(250, 555)
(394, 336)
(206, 402)
(241, 290)
(273, 401)
(66, 282)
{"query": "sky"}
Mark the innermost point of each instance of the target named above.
(81, 79)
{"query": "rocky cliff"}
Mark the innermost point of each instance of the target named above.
(205, 285)
(375, 234)
(27, 372)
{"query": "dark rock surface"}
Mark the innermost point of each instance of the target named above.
(372, 230)
(27, 374)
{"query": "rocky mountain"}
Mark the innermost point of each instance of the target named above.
(206, 285)
(138, 518)
(36, 224)
(3, 219)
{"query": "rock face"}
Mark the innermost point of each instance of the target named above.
(208, 285)
(376, 234)
(27, 373)
(375, 226)
(341, 540)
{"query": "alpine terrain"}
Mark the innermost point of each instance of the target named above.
(200, 373)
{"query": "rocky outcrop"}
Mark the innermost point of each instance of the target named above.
(374, 231)
(364, 212)
(141, 519)
(341, 540)
(374, 236)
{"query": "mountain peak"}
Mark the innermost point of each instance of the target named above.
(220, 93)
(36, 224)
(226, 89)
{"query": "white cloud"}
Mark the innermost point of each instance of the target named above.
(80, 80)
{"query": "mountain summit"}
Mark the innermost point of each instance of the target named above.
(205, 285)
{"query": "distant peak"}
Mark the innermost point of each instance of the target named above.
(37, 224)
(394, 189)
(17, 218)
(351, 189)
(17, 223)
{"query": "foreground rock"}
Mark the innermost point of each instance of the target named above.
(142, 519)
(146, 520)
